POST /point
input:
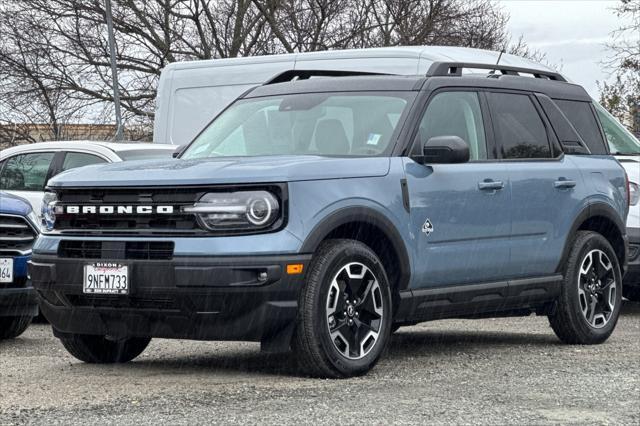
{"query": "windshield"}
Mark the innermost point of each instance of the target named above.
(621, 141)
(339, 124)
(145, 154)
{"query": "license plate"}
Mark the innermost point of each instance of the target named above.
(106, 278)
(6, 270)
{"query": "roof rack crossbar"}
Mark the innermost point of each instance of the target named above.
(291, 75)
(443, 69)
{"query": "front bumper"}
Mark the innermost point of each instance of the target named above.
(202, 298)
(18, 301)
(632, 277)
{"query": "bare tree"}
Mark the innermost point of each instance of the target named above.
(622, 96)
(60, 46)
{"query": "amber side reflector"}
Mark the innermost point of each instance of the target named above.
(294, 268)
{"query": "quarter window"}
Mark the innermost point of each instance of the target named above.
(518, 126)
(26, 172)
(455, 114)
(583, 120)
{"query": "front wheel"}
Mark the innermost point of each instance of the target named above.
(101, 350)
(344, 317)
(591, 295)
(12, 327)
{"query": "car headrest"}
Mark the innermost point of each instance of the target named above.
(331, 138)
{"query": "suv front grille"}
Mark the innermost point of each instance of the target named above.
(112, 250)
(176, 222)
(16, 234)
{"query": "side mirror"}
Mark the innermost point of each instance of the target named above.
(179, 150)
(445, 150)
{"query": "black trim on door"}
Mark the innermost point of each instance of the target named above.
(478, 299)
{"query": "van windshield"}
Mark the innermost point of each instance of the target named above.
(333, 124)
(621, 141)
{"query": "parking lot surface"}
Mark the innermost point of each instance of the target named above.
(502, 371)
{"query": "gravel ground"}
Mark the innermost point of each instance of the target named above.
(503, 371)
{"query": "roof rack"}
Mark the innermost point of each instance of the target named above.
(442, 69)
(292, 75)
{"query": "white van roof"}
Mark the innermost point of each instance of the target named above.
(429, 54)
(190, 94)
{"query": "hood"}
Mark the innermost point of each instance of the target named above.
(11, 204)
(230, 170)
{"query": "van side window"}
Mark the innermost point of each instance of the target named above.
(518, 126)
(581, 116)
(26, 172)
(455, 114)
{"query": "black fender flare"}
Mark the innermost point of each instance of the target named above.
(367, 216)
(595, 209)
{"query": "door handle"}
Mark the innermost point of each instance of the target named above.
(490, 185)
(563, 183)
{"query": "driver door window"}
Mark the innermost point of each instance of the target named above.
(455, 114)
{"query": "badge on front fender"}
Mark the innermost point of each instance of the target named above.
(427, 227)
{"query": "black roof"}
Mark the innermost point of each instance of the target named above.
(340, 84)
(360, 83)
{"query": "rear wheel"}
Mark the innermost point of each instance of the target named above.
(12, 327)
(344, 317)
(591, 294)
(100, 350)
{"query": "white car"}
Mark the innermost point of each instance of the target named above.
(626, 149)
(25, 169)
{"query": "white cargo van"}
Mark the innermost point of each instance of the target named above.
(191, 93)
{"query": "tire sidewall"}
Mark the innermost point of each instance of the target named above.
(337, 259)
(593, 242)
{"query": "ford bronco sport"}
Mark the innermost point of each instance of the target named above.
(320, 214)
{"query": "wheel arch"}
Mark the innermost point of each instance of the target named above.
(603, 219)
(372, 228)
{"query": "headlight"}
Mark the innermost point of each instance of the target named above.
(634, 194)
(48, 210)
(236, 211)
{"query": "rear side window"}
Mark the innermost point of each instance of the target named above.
(584, 121)
(73, 160)
(519, 128)
(26, 172)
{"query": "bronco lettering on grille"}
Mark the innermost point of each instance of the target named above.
(118, 209)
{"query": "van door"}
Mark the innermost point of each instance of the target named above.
(460, 213)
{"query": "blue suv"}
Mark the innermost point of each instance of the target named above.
(321, 214)
(18, 231)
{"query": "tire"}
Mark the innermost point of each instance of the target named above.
(590, 299)
(12, 327)
(631, 293)
(360, 330)
(100, 350)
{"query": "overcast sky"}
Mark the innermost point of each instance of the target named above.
(573, 34)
